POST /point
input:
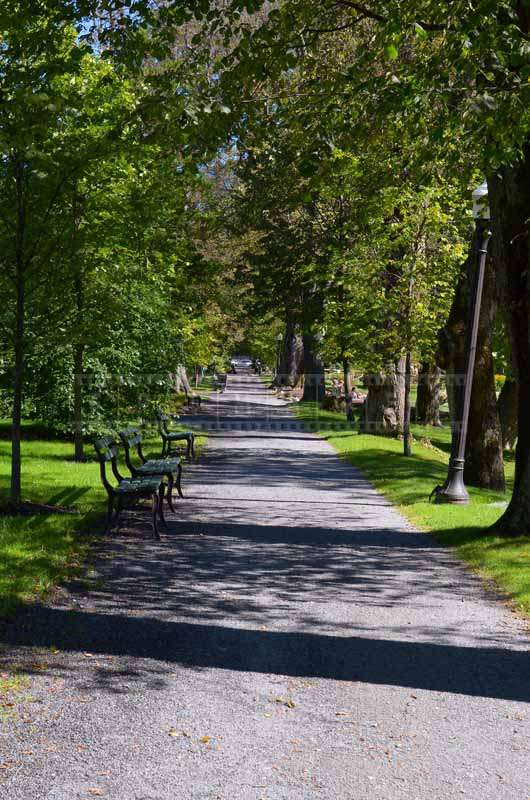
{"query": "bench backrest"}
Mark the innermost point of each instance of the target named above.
(131, 437)
(163, 420)
(106, 448)
(107, 451)
(162, 423)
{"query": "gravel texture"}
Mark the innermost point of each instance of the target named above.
(291, 637)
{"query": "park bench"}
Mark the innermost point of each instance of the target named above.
(219, 381)
(128, 490)
(168, 467)
(169, 437)
(132, 441)
(193, 400)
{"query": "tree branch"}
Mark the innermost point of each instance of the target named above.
(369, 14)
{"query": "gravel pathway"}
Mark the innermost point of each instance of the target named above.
(291, 638)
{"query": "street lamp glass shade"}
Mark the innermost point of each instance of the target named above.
(481, 208)
(279, 338)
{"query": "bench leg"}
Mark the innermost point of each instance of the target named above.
(112, 519)
(154, 513)
(161, 491)
(110, 510)
(119, 509)
(179, 479)
(191, 446)
(170, 483)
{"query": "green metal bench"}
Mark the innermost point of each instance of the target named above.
(127, 490)
(132, 440)
(193, 400)
(169, 437)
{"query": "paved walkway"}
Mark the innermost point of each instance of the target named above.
(291, 638)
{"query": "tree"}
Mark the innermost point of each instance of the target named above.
(467, 61)
(61, 108)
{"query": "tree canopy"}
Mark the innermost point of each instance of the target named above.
(180, 181)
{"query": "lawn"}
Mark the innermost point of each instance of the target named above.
(37, 551)
(407, 482)
(207, 385)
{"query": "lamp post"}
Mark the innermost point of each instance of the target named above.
(454, 490)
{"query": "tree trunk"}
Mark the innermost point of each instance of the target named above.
(182, 383)
(314, 382)
(18, 388)
(510, 200)
(385, 401)
(346, 369)
(508, 411)
(484, 465)
(20, 324)
(79, 348)
(79, 452)
(291, 357)
(428, 399)
(407, 445)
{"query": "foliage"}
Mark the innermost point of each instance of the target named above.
(352, 235)
(106, 291)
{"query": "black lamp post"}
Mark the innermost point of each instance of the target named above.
(454, 490)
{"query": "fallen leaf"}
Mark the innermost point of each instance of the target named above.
(173, 732)
(95, 791)
(285, 701)
(205, 739)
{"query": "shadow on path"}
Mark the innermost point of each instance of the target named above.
(478, 672)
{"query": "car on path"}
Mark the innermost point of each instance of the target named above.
(241, 362)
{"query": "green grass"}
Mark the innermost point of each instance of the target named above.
(38, 551)
(206, 386)
(407, 482)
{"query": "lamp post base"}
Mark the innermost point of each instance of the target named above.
(453, 491)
